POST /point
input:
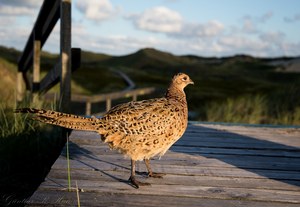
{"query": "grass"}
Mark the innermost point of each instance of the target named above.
(222, 85)
(281, 107)
(27, 152)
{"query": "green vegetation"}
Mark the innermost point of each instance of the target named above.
(257, 109)
(27, 152)
(222, 85)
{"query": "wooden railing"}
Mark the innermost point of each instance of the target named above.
(108, 97)
(50, 12)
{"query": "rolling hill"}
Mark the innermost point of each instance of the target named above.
(267, 85)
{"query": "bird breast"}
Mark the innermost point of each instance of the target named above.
(144, 132)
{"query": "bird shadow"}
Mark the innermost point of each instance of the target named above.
(266, 158)
(77, 153)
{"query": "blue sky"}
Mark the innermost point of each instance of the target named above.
(265, 28)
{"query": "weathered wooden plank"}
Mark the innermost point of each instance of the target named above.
(230, 137)
(101, 148)
(233, 151)
(181, 190)
(258, 145)
(103, 199)
(239, 127)
(181, 170)
(278, 136)
(244, 130)
(212, 142)
(189, 160)
(171, 179)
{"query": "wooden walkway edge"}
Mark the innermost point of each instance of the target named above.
(211, 165)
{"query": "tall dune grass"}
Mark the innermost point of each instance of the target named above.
(282, 107)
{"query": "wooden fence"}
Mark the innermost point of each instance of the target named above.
(70, 58)
(89, 100)
(105, 97)
(50, 12)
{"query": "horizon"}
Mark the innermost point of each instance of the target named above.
(201, 28)
(183, 55)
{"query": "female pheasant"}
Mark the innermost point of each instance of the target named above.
(138, 129)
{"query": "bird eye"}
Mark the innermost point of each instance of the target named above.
(184, 78)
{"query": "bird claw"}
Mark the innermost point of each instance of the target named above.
(156, 175)
(137, 183)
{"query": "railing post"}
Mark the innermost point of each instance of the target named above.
(88, 108)
(36, 63)
(20, 87)
(134, 97)
(108, 104)
(65, 45)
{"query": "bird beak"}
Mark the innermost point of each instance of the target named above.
(191, 82)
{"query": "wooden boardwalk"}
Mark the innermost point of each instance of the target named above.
(211, 165)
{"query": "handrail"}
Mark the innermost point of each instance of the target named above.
(50, 12)
(70, 59)
(107, 97)
(46, 20)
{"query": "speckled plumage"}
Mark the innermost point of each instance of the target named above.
(138, 129)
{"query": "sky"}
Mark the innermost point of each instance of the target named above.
(261, 28)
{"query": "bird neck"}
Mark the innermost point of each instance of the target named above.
(176, 93)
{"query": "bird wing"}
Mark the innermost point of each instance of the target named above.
(136, 110)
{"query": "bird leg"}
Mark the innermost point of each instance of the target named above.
(150, 172)
(132, 179)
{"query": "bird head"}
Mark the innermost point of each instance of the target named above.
(181, 80)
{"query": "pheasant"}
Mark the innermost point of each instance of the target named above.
(137, 129)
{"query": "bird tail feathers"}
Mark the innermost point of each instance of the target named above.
(62, 119)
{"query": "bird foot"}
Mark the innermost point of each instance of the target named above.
(156, 175)
(137, 183)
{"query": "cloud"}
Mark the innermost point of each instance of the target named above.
(261, 45)
(250, 23)
(14, 35)
(19, 8)
(97, 10)
(260, 19)
(292, 19)
(249, 26)
(158, 19)
(290, 49)
(116, 44)
(169, 22)
(265, 17)
(264, 44)
(17, 14)
(11, 10)
(200, 30)
(272, 37)
(241, 43)
(23, 3)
